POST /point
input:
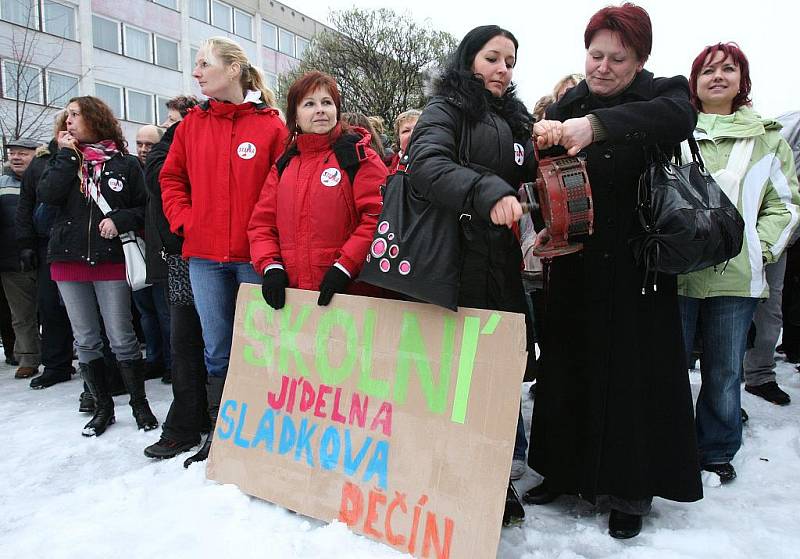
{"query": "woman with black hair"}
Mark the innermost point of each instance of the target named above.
(475, 113)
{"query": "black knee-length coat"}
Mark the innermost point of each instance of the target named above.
(613, 412)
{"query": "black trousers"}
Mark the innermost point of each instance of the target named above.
(56, 352)
(188, 414)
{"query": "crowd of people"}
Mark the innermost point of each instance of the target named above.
(292, 201)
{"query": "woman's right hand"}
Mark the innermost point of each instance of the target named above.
(506, 211)
(542, 238)
(66, 140)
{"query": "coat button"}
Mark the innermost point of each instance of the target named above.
(607, 154)
(583, 106)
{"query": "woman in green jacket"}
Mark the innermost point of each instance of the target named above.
(754, 166)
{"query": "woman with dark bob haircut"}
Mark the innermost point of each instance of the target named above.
(329, 177)
(85, 253)
(613, 417)
(475, 111)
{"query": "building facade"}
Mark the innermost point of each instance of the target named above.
(133, 54)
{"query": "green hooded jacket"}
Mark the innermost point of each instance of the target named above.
(768, 199)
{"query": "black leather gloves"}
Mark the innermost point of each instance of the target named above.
(273, 287)
(28, 260)
(335, 281)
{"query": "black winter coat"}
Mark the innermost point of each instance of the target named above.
(9, 200)
(76, 235)
(35, 218)
(613, 413)
(156, 227)
(497, 164)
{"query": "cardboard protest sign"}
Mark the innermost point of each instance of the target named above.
(396, 418)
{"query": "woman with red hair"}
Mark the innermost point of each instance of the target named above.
(754, 166)
(314, 222)
(613, 416)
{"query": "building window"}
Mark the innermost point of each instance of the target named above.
(140, 106)
(111, 95)
(161, 108)
(172, 4)
(302, 45)
(269, 34)
(59, 19)
(167, 53)
(105, 34)
(243, 24)
(222, 16)
(271, 80)
(193, 56)
(198, 9)
(286, 45)
(138, 44)
(22, 82)
(60, 88)
(22, 12)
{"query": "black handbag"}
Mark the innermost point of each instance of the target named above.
(687, 221)
(416, 249)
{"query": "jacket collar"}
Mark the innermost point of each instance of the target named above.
(313, 143)
(640, 89)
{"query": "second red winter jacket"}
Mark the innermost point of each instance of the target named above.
(311, 216)
(218, 162)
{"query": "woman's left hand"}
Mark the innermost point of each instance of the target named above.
(107, 229)
(576, 134)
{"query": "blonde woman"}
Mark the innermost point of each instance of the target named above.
(218, 161)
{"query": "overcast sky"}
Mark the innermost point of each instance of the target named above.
(550, 35)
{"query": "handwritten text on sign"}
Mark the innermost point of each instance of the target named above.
(395, 418)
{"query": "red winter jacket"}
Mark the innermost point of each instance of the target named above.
(311, 216)
(217, 164)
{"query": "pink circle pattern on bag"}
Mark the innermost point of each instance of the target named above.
(380, 247)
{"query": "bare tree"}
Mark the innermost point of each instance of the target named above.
(26, 110)
(380, 59)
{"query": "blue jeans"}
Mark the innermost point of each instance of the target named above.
(82, 299)
(215, 285)
(152, 305)
(724, 323)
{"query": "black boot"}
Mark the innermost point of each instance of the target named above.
(86, 401)
(132, 373)
(623, 526)
(94, 375)
(214, 393)
(49, 377)
(513, 513)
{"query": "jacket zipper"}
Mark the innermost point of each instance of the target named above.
(89, 235)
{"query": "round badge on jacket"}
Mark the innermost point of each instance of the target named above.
(115, 184)
(519, 154)
(246, 150)
(331, 176)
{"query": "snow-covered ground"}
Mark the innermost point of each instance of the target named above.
(66, 496)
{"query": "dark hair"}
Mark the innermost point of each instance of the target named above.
(182, 103)
(739, 59)
(360, 119)
(101, 120)
(305, 84)
(630, 22)
(459, 83)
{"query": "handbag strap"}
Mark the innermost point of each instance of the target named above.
(99, 200)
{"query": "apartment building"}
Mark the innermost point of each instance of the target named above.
(134, 54)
